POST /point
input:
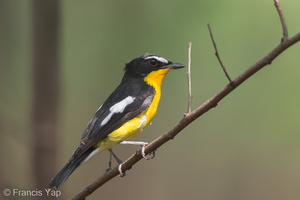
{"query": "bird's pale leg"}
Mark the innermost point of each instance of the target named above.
(143, 144)
(139, 143)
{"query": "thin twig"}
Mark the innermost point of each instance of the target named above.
(282, 20)
(189, 78)
(217, 54)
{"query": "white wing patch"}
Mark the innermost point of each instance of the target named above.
(161, 59)
(118, 108)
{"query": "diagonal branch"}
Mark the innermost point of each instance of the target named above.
(190, 117)
(193, 115)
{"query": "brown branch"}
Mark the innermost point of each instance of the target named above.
(189, 78)
(282, 20)
(217, 53)
(191, 116)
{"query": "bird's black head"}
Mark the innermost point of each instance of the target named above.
(141, 66)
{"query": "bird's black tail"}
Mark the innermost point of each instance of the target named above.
(68, 169)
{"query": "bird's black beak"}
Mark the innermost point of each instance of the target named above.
(174, 66)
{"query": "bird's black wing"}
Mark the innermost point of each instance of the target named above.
(142, 95)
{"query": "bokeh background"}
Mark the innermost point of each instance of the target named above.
(245, 148)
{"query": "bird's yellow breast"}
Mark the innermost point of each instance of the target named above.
(132, 129)
(155, 79)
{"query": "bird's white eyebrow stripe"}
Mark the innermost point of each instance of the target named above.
(118, 108)
(161, 59)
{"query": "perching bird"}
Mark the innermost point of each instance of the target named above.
(124, 114)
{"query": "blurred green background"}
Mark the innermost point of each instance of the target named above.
(245, 148)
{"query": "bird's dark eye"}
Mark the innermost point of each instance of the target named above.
(153, 62)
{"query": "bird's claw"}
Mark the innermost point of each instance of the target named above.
(144, 154)
(122, 174)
